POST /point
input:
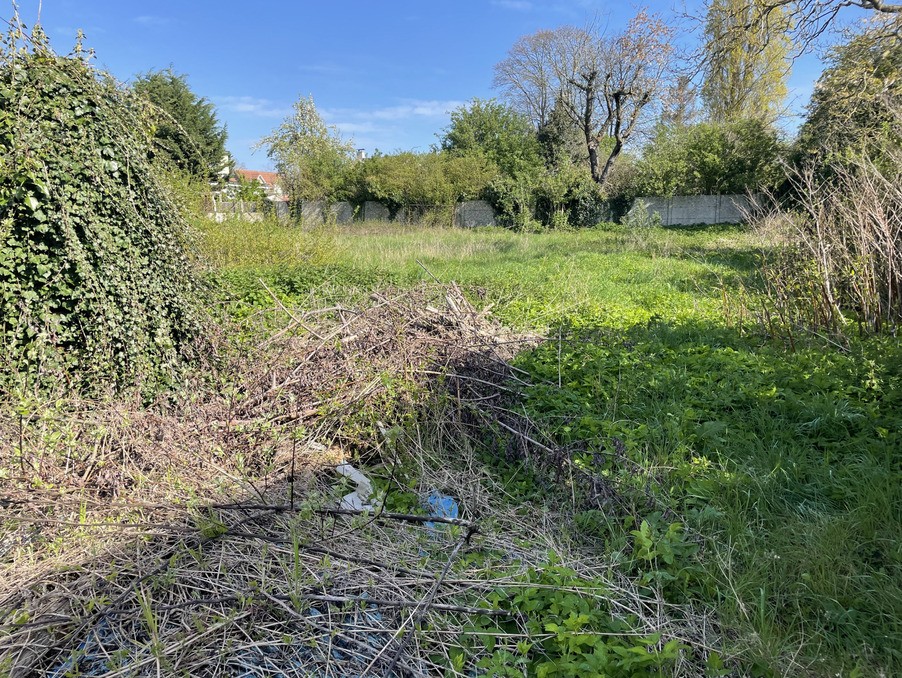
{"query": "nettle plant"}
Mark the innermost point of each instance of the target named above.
(96, 276)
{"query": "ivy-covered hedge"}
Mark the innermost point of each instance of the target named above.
(96, 277)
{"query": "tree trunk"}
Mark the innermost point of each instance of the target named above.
(593, 159)
(602, 178)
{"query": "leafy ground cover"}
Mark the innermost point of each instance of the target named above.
(744, 474)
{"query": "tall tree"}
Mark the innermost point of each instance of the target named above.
(606, 84)
(186, 130)
(807, 21)
(309, 155)
(562, 142)
(747, 60)
(680, 103)
(856, 107)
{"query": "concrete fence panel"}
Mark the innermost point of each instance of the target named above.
(341, 213)
(474, 213)
(375, 211)
(685, 210)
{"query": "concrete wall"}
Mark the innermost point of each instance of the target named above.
(341, 213)
(319, 212)
(313, 212)
(375, 211)
(698, 209)
(474, 213)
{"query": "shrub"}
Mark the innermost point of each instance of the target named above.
(639, 218)
(562, 197)
(844, 248)
(419, 181)
(95, 272)
(496, 131)
(711, 158)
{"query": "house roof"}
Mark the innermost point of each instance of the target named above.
(266, 178)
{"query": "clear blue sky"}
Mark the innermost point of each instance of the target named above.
(385, 72)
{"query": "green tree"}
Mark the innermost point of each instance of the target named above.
(249, 191)
(310, 156)
(746, 57)
(501, 134)
(423, 180)
(560, 139)
(856, 108)
(710, 158)
(185, 129)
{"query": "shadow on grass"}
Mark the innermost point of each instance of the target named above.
(789, 462)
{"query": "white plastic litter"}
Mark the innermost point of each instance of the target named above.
(359, 499)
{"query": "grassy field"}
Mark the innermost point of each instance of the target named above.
(769, 487)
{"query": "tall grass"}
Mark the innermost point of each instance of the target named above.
(236, 243)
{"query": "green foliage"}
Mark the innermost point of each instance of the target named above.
(237, 243)
(752, 446)
(189, 192)
(639, 218)
(561, 140)
(711, 158)
(504, 136)
(249, 191)
(855, 108)
(662, 554)
(310, 156)
(412, 180)
(572, 632)
(746, 60)
(563, 196)
(95, 271)
(185, 129)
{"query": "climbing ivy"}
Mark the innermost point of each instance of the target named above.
(97, 280)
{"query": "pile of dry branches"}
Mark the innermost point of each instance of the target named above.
(202, 537)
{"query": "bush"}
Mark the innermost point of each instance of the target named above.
(95, 273)
(563, 197)
(640, 218)
(711, 158)
(417, 182)
(844, 248)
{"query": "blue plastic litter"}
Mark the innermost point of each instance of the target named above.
(441, 506)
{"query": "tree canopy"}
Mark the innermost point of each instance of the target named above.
(710, 158)
(186, 131)
(309, 155)
(746, 61)
(503, 135)
(856, 107)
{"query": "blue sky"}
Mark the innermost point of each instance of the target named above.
(387, 72)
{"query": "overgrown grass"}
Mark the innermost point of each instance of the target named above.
(536, 279)
(786, 463)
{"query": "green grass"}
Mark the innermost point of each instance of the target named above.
(537, 279)
(787, 463)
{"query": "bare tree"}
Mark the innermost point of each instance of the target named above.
(806, 21)
(606, 84)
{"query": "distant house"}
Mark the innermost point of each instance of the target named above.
(269, 181)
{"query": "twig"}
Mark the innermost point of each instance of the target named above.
(290, 314)
(345, 637)
(418, 613)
